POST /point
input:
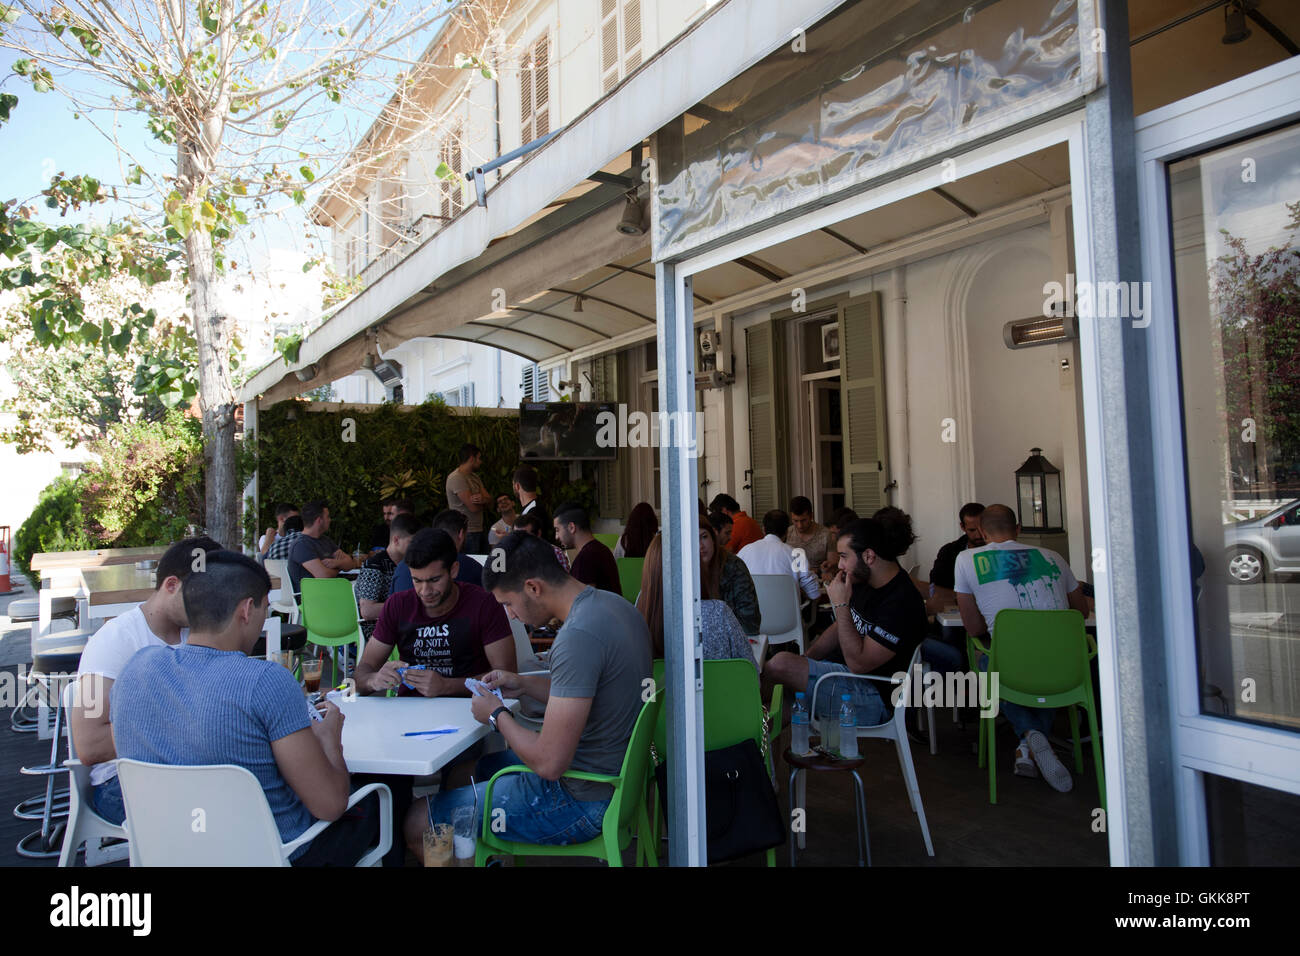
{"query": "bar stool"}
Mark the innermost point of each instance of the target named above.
(55, 660)
(28, 611)
(822, 763)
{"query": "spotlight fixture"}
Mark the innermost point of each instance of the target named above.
(630, 224)
(368, 363)
(577, 303)
(307, 372)
(1234, 22)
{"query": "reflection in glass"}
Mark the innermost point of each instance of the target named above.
(1235, 218)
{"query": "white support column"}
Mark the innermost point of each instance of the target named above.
(896, 404)
(680, 529)
(251, 489)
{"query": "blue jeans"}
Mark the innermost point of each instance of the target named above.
(1024, 719)
(943, 657)
(535, 810)
(108, 801)
(872, 709)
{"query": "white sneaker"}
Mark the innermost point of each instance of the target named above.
(1025, 766)
(1053, 771)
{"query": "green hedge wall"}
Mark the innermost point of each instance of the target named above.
(302, 456)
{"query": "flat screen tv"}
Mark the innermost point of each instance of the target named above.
(565, 431)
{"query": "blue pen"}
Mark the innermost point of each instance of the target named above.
(422, 733)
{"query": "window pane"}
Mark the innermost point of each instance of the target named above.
(1251, 825)
(1236, 212)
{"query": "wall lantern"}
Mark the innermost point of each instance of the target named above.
(1038, 495)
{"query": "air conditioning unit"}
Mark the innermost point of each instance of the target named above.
(713, 378)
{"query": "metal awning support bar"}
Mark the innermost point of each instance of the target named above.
(477, 175)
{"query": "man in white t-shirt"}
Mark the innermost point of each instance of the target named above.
(159, 621)
(1006, 574)
(771, 555)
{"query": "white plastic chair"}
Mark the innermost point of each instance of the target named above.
(84, 824)
(218, 816)
(284, 603)
(778, 606)
(893, 729)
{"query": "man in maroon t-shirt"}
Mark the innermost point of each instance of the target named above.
(594, 563)
(444, 631)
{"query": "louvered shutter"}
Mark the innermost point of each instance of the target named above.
(542, 86)
(611, 474)
(631, 35)
(862, 389)
(609, 49)
(765, 435)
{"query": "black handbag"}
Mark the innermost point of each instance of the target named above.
(743, 815)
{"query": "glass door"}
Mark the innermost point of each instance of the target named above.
(1221, 218)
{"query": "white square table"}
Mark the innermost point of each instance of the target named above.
(373, 729)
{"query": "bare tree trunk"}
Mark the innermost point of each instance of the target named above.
(216, 394)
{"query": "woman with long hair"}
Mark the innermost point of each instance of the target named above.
(720, 632)
(734, 585)
(642, 526)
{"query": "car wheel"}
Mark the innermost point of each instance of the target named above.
(1245, 566)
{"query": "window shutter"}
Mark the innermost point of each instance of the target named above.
(765, 438)
(609, 50)
(612, 478)
(631, 35)
(542, 86)
(862, 387)
(526, 105)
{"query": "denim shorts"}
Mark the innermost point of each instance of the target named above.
(525, 808)
(108, 801)
(865, 694)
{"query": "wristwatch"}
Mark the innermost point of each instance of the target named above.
(492, 717)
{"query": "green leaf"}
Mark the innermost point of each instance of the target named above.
(444, 171)
(307, 174)
(7, 102)
(22, 67)
(299, 197)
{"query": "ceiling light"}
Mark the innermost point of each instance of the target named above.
(306, 373)
(577, 303)
(1234, 22)
(630, 224)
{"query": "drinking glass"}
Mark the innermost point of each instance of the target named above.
(311, 669)
(438, 845)
(463, 822)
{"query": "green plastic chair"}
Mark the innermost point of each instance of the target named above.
(1042, 660)
(625, 817)
(733, 713)
(629, 576)
(608, 540)
(329, 612)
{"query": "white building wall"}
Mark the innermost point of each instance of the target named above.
(957, 368)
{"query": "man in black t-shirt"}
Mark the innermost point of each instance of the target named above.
(942, 594)
(879, 621)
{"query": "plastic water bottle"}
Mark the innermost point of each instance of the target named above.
(799, 726)
(848, 728)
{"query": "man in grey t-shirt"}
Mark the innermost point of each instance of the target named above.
(600, 665)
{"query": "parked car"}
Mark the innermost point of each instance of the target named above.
(1263, 546)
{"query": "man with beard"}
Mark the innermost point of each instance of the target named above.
(444, 632)
(879, 621)
(599, 661)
